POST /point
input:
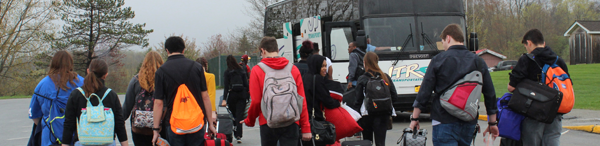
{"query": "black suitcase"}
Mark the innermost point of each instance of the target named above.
(536, 101)
(225, 125)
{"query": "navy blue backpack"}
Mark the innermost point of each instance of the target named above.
(509, 122)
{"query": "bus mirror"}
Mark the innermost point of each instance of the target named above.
(473, 42)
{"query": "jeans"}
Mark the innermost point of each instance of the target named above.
(194, 139)
(286, 136)
(375, 125)
(536, 133)
(453, 134)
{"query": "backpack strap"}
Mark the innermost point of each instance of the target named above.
(532, 57)
(103, 97)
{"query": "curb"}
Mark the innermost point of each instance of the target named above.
(587, 128)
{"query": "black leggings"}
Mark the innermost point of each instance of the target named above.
(140, 139)
(237, 106)
(375, 125)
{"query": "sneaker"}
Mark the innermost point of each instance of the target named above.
(239, 141)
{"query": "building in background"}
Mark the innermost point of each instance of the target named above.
(490, 57)
(584, 42)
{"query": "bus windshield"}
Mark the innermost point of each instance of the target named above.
(402, 34)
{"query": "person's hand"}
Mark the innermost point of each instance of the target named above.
(224, 103)
(306, 136)
(242, 122)
(124, 143)
(211, 130)
(155, 136)
(511, 88)
(349, 85)
(492, 130)
(414, 124)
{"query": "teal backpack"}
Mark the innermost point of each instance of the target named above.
(96, 125)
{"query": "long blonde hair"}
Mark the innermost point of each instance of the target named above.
(151, 63)
(371, 59)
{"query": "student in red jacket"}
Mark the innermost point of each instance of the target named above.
(287, 136)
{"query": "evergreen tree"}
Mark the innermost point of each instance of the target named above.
(98, 29)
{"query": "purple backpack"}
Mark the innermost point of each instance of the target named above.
(509, 122)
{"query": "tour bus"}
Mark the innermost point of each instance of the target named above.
(404, 33)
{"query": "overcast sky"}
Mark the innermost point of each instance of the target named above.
(197, 19)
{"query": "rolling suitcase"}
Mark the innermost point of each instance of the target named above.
(218, 139)
(225, 124)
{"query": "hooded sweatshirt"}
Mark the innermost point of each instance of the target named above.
(323, 98)
(257, 77)
(528, 69)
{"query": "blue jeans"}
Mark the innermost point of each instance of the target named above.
(453, 134)
(194, 139)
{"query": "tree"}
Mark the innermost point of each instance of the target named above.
(192, 51)
(216, 46)
(23, 24)
(98, 29)
(244, 45)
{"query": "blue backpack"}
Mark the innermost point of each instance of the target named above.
(509, 122)
(56, 117)
(96, 125)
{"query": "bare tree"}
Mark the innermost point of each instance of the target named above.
(215, 46)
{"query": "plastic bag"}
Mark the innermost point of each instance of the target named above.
(355, 115)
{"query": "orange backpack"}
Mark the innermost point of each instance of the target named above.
(186, 117)
(555, 77)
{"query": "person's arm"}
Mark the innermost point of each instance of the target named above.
(304, 124)
(352, 65)
(70, 117)
(489, 96)
(119, 120)
(427, 87)
(129, 98)
(207, 105)
(247, 71)
(519, 72)
(359, 90)
(225, 86)
(323, 93)
(256, 96)
(159, 96)
(392, 88)
(212, 90)
(35, 112)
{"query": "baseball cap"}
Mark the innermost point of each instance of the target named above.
(245, 57)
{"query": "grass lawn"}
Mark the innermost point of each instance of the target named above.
(18, 96)
(585, 81)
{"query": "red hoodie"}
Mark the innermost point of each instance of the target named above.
(257, 78)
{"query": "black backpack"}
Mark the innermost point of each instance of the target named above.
(377, 96)
(236, 80)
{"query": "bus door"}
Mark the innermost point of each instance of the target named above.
(336, 38)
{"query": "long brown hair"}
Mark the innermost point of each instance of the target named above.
(151, 63)
(203, 62)
(93, 80)
(232, 63)
(61, 70)
(371, 60)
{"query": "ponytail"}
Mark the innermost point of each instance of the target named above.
(93, 80)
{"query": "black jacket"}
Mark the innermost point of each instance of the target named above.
(77, 101)
(173, 73)
(444, 70)
(228, 75)
(362, 84)
(302, 67)
(321, 96)
(527, 68)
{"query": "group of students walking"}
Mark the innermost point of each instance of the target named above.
(174, 100)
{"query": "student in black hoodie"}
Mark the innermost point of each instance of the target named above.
(536, 133)
(93, 83)
(374, 123)
(235, 93)
(305, 52)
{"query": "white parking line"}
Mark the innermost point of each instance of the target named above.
(563, 133)
(17, 138)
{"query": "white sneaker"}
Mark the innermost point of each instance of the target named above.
(239, 141)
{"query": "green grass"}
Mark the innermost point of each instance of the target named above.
(585, 79)
(17, 96)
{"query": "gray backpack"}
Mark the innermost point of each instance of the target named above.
(281, 104)
(461, 99)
